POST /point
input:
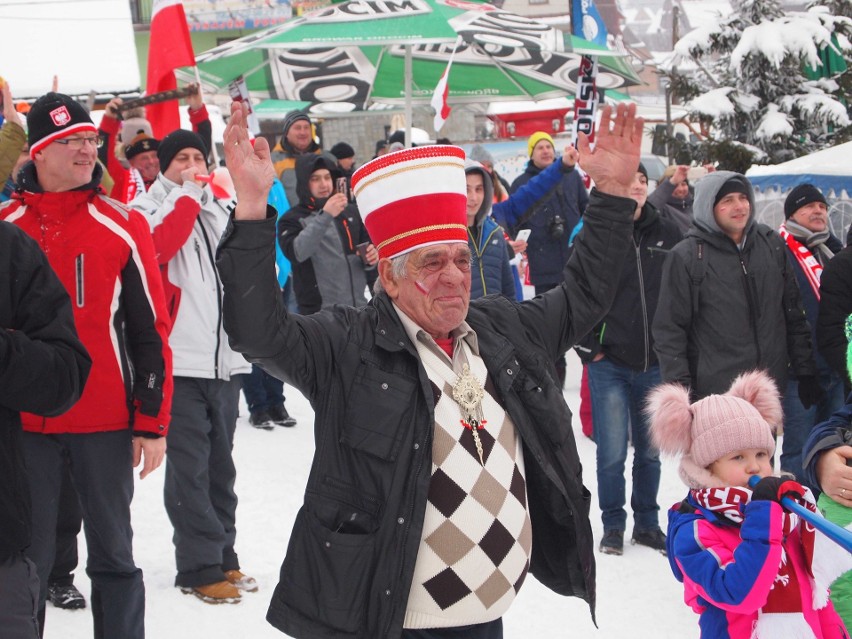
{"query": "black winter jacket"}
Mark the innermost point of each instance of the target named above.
(723, 311)
(352, 552)
(43, 368)
(835, 305)
(624, 336)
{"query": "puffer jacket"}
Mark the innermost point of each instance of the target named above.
(727, 571)
(327, 270)
(43, 368)
(547, 253)
(374, 420)
(724, 309)
(186, 223)
(103, 255)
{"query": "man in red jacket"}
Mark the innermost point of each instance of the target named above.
(104, 256)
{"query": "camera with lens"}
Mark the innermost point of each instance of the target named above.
(556, 227)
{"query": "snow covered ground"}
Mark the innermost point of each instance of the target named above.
(637, 594)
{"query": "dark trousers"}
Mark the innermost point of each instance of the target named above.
(102, 473)
(490, 630)
(200, 474)
(68, 525)
(18, 598)
(262, 390)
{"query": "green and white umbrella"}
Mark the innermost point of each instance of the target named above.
(360, 52)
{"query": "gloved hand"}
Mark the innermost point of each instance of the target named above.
(810, 392)
(775, 488)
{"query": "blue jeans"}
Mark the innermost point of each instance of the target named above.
(798, 420)
(618, 395)
(262, 390)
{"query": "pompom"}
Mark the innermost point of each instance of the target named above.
(670, 416)
(759, 390)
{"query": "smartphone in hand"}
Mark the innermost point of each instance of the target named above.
(523, 235)
(342, 186)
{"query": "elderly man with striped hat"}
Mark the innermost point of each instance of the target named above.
(445, 466)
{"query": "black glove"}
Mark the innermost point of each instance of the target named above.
(775, 488)
(810, 392)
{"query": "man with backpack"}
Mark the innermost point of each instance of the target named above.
(729, 301)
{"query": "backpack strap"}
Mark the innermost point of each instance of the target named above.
(697, 274)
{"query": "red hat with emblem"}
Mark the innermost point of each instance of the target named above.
(55, 116)
(413, 198)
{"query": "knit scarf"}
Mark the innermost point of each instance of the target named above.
(794, 234)
(135, 185)
(782, 616)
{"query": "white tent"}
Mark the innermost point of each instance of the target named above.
(88, 44)
(829, 170)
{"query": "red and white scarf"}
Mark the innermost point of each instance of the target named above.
(782, 616)
(808, 263)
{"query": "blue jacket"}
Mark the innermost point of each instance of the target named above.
(547, 253)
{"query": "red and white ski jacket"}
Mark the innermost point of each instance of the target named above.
(104, 256)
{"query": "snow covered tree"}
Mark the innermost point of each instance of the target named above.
(743, 78)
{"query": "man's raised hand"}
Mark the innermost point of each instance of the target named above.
(613, 163)
(250, 166)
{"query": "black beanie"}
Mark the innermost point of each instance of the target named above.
(341, 151)
(733, 185)
(642, 170)
(55, 116)
(801, 195)
(174, 143)
(140, 144)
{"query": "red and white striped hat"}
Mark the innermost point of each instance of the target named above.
(413, 198)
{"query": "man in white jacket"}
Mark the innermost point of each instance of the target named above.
(187, 222)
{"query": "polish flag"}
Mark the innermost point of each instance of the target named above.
(169, 48)
(442, 92)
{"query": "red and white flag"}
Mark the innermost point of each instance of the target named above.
(442, 92)
(170, 47)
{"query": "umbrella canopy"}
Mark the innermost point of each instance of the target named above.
(360, 52)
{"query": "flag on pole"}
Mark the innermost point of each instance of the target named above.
(587, 22)
(442, 92)
(170, 47)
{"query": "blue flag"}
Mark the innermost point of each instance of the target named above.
(587, 23)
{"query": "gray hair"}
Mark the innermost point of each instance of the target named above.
(399, 265)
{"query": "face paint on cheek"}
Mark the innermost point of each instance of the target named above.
(421, 287)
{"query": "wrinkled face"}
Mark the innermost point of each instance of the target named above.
(299, 135)
(735, 468)
(813, 216)
(639, 192)
(543, 154)
(320, 184)
(147, 163)
(732, 214)
(475, 194)
(185, 159)
(64, 167)
(435, 290)
(681, 190)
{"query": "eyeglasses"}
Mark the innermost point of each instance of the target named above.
(79, 143)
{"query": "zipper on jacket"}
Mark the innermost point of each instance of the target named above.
(478, 250)
(218, 294)
(198, 255)
(81, 280)
(638, 247)
(752, 307)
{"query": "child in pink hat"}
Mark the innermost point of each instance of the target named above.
(750, 569)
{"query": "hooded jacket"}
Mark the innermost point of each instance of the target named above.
(678, 210)
(326, 267)
(103, 255)
(284, 158)
(375, 418)
(186, 222)
(726, 309)
(547, 251)
(43, 368)
(625, 336)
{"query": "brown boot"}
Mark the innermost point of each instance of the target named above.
(218, 593)
(241, 581)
